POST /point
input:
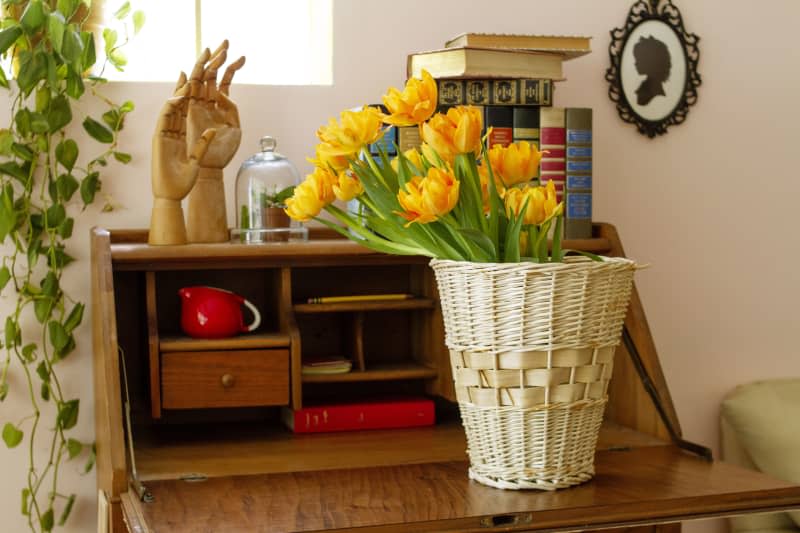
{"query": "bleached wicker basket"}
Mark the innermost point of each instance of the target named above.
(531, 347)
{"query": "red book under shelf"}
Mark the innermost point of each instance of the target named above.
(374, 414)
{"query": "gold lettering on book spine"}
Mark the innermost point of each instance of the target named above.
(504, 92)
(477, 92)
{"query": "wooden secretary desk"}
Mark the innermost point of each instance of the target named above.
(189, 435)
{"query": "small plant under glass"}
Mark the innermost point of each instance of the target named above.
(263, 184)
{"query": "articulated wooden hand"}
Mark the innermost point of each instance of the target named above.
(174, 171)
(210, 107)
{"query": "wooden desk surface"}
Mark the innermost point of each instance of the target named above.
(640, 485)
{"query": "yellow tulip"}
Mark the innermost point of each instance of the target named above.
(516, 163)
(414, 105)
(541, 206)
(325, 159)
(347, 186)
(457, 132)
(355, 130)
(312, 195)
(413, 155)
(552, 207)
(426, 199)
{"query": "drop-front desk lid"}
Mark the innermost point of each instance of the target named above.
(633, 485)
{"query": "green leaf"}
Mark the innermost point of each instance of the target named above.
(47, 521)
(89, 187)
(58, 335)
(33, 68)
(61, 260)
(75, 86)
(60, 114)
(3, 79)
(42, 308)
(29, 352)
(12, 435)
(123, 11)
(124, 158)
(56, 215)
(72, 48)
(50, 285)
(126, 107)
(68, 414)
(8, 36)
(33, 17)
(8, 215)
(6, 140)
(67, 509)
(3, 391)
(22, 151)
(118, 58)
(74, 318)
(42, 99)
(74, 448)
(138, 21)
(25, 494)
(67, 7)
(89, 55)
(43, 371)
(5, 276)
(56, 25)
(11, 332)
(109, 40)
(90, 461)
(23, 121)
(44, 391)
(67, 153)
(482, 241)
(98, 131)
(65, 228)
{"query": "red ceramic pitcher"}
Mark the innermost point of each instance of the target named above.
(211, 313)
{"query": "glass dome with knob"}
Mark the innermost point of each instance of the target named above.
(264, 182)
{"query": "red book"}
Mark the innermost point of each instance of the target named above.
(553, 136)
(376, 414)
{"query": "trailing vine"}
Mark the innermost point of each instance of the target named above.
(45, 180)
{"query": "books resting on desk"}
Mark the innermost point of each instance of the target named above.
(330, 365)
(384, 413)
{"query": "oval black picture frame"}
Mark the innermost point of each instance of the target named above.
(654, 44)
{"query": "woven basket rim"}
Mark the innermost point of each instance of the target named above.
(568, 262)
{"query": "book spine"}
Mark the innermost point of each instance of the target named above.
(408, 137)
(501, 120)
(526, 127)
(503, 92)
(388, 142)
(351, 417)
(553, 139)
(578, 191)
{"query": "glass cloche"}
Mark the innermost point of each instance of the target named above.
(263, 184)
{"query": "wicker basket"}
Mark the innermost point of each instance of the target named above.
(531, 347)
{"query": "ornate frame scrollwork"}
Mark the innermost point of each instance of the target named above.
(671, 79)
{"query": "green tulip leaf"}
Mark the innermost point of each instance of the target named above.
(12, 435)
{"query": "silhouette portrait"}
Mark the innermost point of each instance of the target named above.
(652, 60)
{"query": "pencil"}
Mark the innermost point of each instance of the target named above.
(359, 298)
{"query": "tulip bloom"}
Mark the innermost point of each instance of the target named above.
(311, 196)
(413, 156)
(457, 132)
(542, 205)
(355, 130)
(347, 186)
(516, 163)
(414, 105)
(426, 199)
(325, 159)
(483, 174)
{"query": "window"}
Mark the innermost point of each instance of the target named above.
(286, 42)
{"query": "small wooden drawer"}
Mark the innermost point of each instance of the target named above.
(236, 378)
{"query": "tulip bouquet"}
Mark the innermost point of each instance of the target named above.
(453, 198)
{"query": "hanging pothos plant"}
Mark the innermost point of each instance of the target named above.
(45, 178)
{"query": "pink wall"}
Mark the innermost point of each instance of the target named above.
(708, 205)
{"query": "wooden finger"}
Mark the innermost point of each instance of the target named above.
(201, 145)
(168, 111)
(221, 47)
(200, 66)
(181, 85)
(227, 78)
(229, 109)
(210, 85)
(217, 60)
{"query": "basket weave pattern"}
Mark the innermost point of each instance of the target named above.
(531, 347)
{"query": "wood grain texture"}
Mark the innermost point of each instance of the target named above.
(240, 378)
(638, 486)
(250, 341)
(112, 475)
(152, 344)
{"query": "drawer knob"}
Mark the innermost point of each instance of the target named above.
(228, 380)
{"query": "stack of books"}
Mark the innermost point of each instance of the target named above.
(512, 77)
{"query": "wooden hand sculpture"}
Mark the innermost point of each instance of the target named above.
(210, 107)
(174, 171)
